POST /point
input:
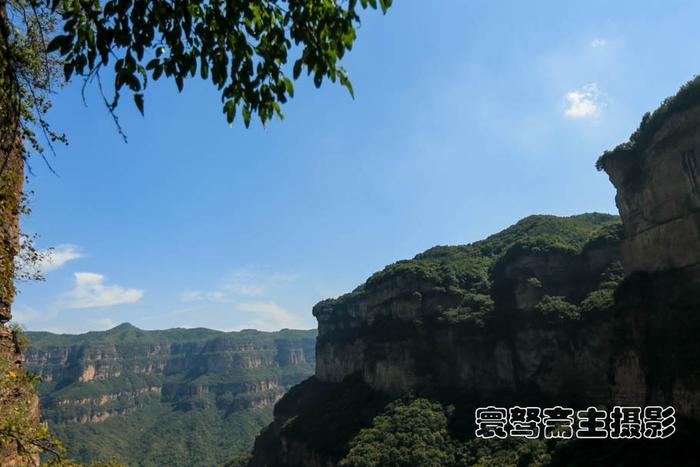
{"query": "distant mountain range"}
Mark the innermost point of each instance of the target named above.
(172, 397)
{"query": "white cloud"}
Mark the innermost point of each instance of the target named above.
(595, 43)
(58, 256)
(268, 316)
(90, 292)
(583, 102)
(240, 284)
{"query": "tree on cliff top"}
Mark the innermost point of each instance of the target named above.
(242, 46)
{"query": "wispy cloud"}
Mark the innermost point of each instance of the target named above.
(58, 256)
(268, 316)
(596, 43)
(584, 102)
(90, 292)
(242, 283)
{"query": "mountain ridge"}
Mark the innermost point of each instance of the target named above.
(176, 396)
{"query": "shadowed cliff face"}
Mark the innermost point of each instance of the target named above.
(574, 311)
(524, 316)
(657, 357)
(476, 326)
(136, 394)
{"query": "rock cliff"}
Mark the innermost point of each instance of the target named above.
(656, 175)
(574, 311)
(136, 395)
(523, 316)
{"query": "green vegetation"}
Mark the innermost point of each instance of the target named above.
(471, 310)
(18, 425)
(241, 47)
(556, 307)
(176, 397)
(468, 265)
(466, 277)
(598, 300)
(329, 415)
(419, 432)
(688, 96)
(406, 434)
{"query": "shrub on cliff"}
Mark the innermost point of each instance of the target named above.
(556, 307)
(599, 300)
(471, 311)
(406, 434)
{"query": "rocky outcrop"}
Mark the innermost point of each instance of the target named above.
(658, 196)
(656, 174)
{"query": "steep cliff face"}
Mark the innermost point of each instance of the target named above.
(18, 404)
(574, 311)
(523, 316)
(657, 179)
(475, 317)
(658, 195)
(136, 394)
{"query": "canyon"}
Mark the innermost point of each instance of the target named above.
(175, 397)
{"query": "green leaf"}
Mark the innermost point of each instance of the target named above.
(230, 110)
(67, 70)
(56, 43)
(204, 68)
(152, 64)
(157, 71)
(297, 68)
(289, 86)
(246, 116)
(138, 100)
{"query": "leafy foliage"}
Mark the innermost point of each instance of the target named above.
(28, 74)
(406, 434)
(468, 265)
(464, 275)
(241, 46)
(416, 432)
(556, 307)
(510, 452)
(472, 309)
(598, 300)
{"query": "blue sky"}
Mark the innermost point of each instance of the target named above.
(469, 115)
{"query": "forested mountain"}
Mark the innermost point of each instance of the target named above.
(173, 397)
